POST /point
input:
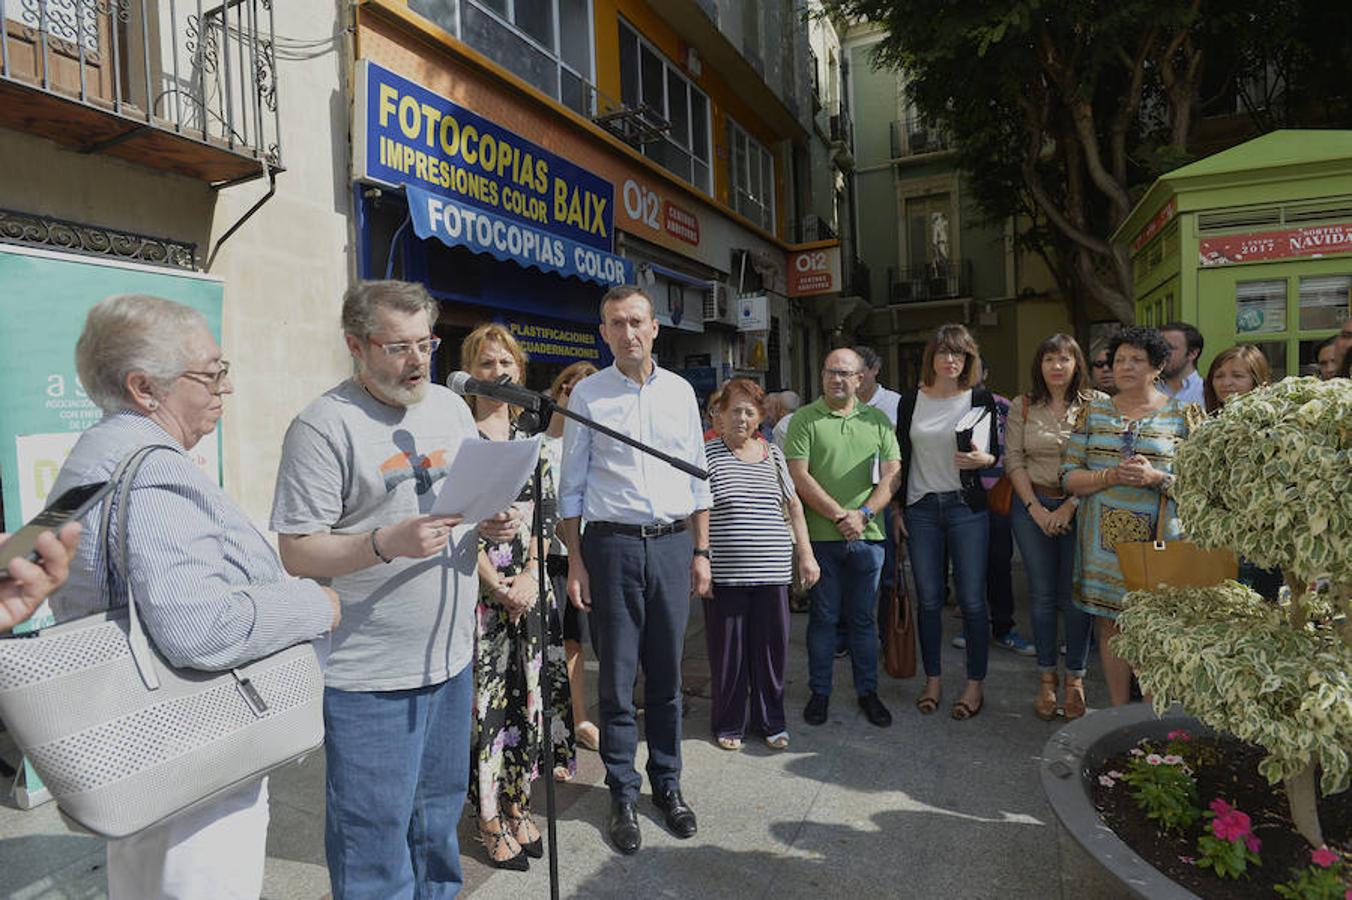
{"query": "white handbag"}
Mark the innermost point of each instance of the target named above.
(122, 739)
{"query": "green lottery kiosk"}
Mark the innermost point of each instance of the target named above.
(1251, 245)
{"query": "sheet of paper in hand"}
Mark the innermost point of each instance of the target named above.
(485, 477)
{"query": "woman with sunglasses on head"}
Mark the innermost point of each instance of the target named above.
(513, 660)
(556, 561)
(944, 506)
(1042, 515)
(1236, 371)
(1119, 461)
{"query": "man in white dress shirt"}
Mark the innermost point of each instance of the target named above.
(646, 545)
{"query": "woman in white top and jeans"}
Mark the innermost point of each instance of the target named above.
(944, 506)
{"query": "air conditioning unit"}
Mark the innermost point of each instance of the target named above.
(718, 305)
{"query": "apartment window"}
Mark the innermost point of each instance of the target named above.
(548, 43)
(752, 174)
(648, 79)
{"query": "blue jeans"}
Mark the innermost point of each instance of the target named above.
(1049, 563)
(398, 767)
(944, 522)
(848, 589)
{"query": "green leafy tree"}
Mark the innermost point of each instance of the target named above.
(1063, 111)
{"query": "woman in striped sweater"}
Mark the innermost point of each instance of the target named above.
(751, 545)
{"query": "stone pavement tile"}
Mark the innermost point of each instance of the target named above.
(295, 866)
(83, 879)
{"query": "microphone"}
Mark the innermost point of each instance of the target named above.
(503, 391)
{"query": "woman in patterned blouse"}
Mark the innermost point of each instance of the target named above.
(1118, 461)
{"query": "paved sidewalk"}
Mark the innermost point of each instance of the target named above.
(929, 807)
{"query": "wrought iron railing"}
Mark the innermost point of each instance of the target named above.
(943, 279)
(913, 136)
(813, 228)
(204, 71)
(842, 129)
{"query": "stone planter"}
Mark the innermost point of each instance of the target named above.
(1094, 862)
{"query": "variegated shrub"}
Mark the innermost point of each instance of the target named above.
(1270, 477)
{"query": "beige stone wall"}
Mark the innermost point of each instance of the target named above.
(285, 270)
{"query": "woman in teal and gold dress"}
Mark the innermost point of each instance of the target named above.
(1118, 461)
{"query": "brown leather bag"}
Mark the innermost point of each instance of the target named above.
(899, 640)
(1149, 564)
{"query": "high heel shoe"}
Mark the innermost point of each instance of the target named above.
(536, 848)
(1074, 705)
(1045, 702)
(492, 840)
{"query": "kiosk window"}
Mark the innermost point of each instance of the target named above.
(1260, 307)
(1324, 301)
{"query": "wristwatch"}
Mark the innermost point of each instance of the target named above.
(867, 513)
(702, 551)
(1167, 484)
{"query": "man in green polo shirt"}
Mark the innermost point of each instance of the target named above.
(842, 455)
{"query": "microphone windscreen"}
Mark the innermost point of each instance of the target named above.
(456, 381)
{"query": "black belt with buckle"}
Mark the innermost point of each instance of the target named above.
(655, 530)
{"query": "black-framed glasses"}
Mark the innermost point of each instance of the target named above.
(212, 381)
(841, 373)
(1100, 364)
(425, 347)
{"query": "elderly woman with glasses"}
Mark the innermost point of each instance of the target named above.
(211, 590)
(1119, 461)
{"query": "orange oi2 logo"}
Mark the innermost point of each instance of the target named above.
(425, 470)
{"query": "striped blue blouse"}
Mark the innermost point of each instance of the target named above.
(210, 588)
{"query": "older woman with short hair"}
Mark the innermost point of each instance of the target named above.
(752, 550)
(1119, 461)
(210, 589)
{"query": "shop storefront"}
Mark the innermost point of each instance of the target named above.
(512, 208)
(1252, 245)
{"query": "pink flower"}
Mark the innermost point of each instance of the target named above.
(1323, 857)
(1179, 735)
(1172, 759)
(1154, 759)
(1253, 843)
(1136, 751)
(1188, 860)
(1220, 807)
(1231, 827)
(1113, 773)
(1106, 781)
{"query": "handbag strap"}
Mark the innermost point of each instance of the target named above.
(116, 554)
(1159, 520)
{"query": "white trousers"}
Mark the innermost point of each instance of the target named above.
(213, 851)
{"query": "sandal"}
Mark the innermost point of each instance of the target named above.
(962, 711)
(536, 848)
(778, 741)
(493, 840)
(730, 743)
(587, 735)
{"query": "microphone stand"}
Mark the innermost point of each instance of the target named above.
(542, 408)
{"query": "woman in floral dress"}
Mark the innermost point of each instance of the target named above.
(508, 711)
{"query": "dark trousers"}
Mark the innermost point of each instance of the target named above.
(846, 591)
(640, 593)
(999, 577)
(747, 627)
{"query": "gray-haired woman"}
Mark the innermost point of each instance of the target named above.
(210, 589)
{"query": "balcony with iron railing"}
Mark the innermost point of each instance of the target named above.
(812, 228)
(913, 136)
(175, 85)
(938, 280)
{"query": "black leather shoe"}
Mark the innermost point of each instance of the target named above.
(874, 709)
(680, 817)
(624, 832)
(817, 708)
